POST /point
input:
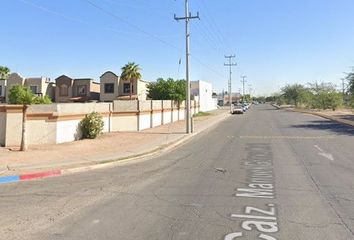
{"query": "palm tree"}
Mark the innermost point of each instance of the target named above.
(4, 72)
(131, 72)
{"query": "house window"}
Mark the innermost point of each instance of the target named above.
(109, 88)
(81, 90)
(64, 90)
(34, 89)
(0, 90)
(126, 88)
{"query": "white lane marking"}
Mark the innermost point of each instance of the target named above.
(233, 236)
(253, 217)
(95, 221)
(324, 154)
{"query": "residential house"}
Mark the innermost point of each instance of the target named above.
(2, 90)
(109, 84)
(113, 88)
(86, 89)
(202, 91)
(63, 89)
(76, 90)
(40, 85)
(12, 80)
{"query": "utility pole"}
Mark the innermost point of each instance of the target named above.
(230, 65)
(250, 90)
(187, 17)
(243, 85)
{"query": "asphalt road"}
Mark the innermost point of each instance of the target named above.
(267, 174)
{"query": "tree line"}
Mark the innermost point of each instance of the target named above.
(316, 95)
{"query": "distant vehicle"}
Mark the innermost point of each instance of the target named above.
(237, 108)
(245, 105)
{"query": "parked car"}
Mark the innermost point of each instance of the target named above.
(237, 108)
(245, 106)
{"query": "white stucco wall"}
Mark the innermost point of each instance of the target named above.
(144, 121)
(59, 123)
(68, 131)
(166, 117)
(182, 113)
(175, 115)
(156, 119)
(41, 132)
(125, 123)
(204, 92)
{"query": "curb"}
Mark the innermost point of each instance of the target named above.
(30, 176)
(114, 162)
(342, 121)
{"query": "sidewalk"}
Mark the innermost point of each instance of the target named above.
(107, 148)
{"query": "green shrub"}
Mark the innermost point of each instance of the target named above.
(43, 100)
(92, 125)
(21, 95)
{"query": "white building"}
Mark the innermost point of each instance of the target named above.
(203, 91)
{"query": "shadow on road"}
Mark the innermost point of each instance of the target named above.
(346, 117)
(327, 125)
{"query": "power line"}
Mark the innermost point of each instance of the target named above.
(151, 35)
(139, 29)
(129, 24)
(211, 26)
(44, 9)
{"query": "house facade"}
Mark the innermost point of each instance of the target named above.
(12, 80)
(76, 90)
(86, 89)
(113, 88)
(40, 86)
(109, 85)
(63, 88)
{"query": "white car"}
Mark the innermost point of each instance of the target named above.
(237, 108)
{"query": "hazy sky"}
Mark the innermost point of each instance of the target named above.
(275, 41)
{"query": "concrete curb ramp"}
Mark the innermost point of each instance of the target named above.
(110, 163)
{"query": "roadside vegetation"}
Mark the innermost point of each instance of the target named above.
(201, 114)
(131, 72)
(316, 95)
(92, 125)
(167, 89)
(312, 96)
(4, 72)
